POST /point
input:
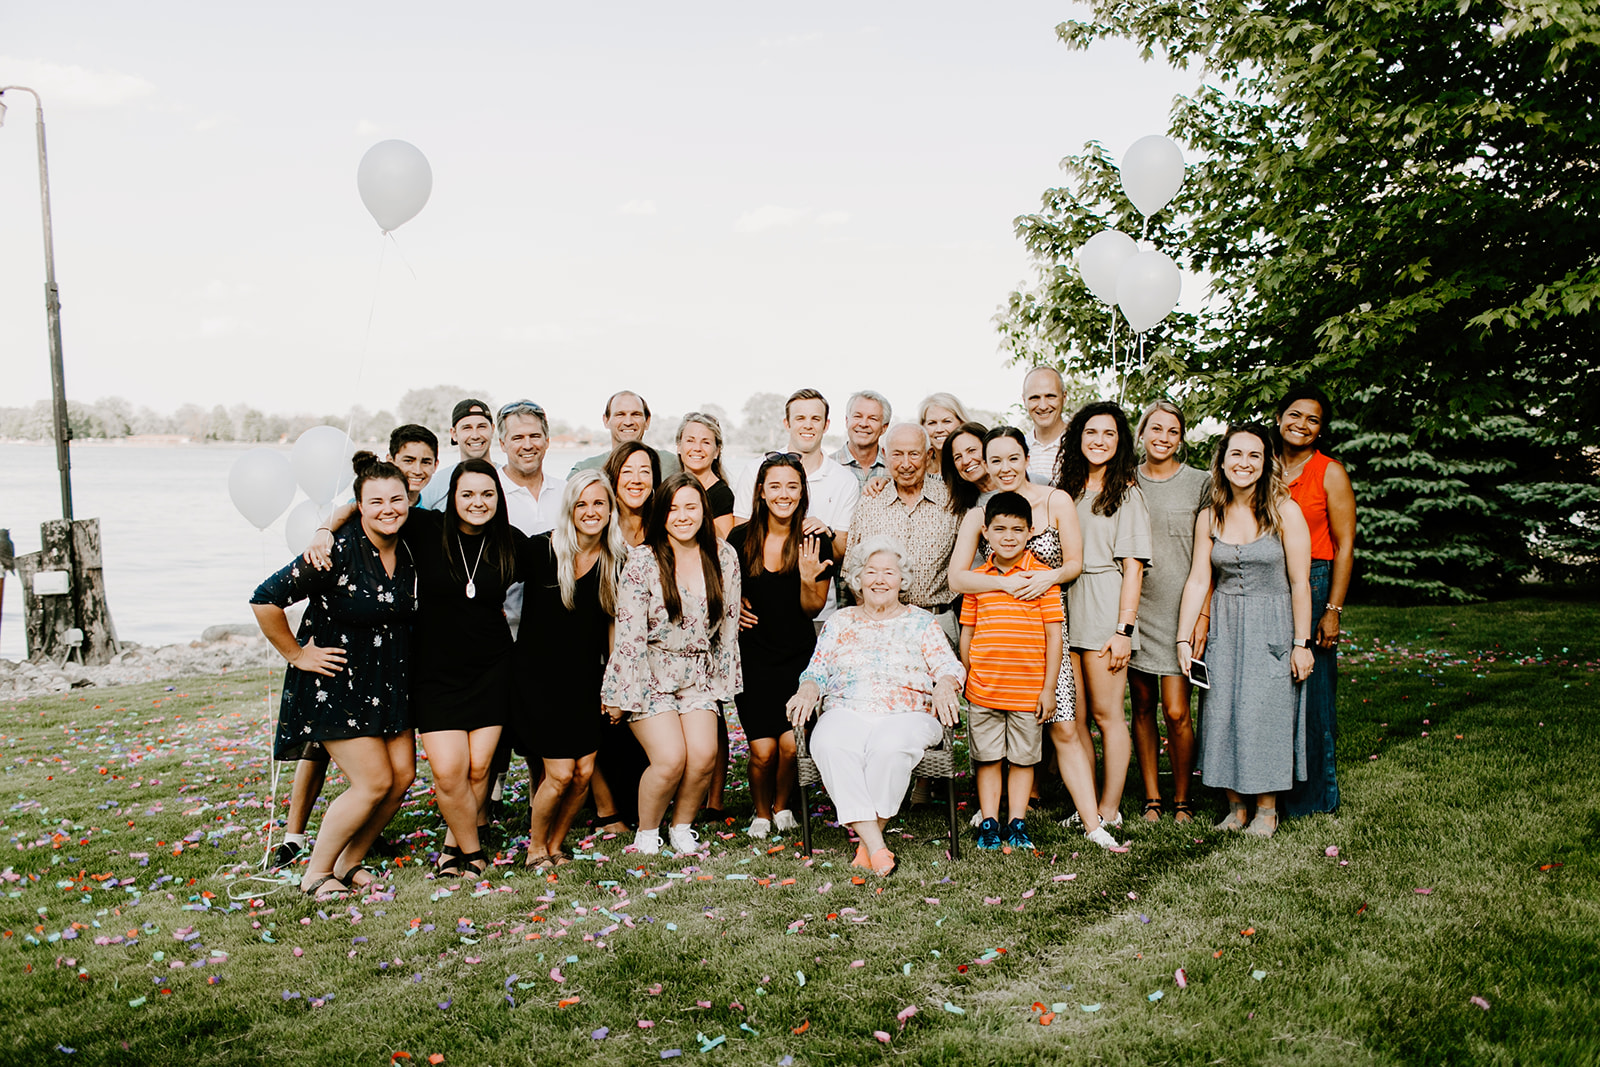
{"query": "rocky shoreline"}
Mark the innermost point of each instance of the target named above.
(220, 650)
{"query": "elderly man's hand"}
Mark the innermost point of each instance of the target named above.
(804, 702)
(947, 700)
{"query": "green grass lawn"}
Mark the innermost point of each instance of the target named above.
(1457, 922)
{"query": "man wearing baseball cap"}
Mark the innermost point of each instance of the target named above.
(471, 430)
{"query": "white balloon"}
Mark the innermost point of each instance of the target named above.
(1152, 173)
(1100, 262)
(394, 179)
(302, 523)
(321, 461)
(1148, 289)
(261, 484)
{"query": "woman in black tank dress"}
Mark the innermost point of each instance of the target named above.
(784, 581)
(569, 600)
(462, 665)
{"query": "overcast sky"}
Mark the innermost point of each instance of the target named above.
(697, 200)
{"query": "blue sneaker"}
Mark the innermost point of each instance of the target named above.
(989, 834)
(1017, 835)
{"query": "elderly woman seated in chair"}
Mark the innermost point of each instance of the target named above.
(886, 676)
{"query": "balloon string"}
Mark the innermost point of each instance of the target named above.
(401, 253)
(1111, 332)
(272, 764)
(361, 364)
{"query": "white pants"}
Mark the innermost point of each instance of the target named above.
(866, 759)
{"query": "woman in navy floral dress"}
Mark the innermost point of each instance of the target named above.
(346, 685)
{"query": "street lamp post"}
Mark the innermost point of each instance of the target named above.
(52, 307)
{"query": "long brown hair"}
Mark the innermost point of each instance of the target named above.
(619, 456)
(1072, 466)
(659, 542)
(754, 548)
(498, 544)
(1269, 490)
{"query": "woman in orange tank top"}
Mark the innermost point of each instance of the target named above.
(1321, 487)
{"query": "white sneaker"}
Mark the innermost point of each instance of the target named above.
(785, 821)
(759, 828)
(1115, 822)
(647, 842)
(1102, 837)
(683, 839)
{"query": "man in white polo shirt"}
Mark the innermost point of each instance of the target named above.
(1042, 393)
(832, 489)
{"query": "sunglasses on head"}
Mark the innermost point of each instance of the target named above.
(520, 405)
(795, 456)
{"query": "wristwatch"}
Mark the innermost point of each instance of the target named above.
(1302, 642)
(1124, 629)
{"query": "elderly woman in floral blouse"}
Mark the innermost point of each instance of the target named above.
(887, 678)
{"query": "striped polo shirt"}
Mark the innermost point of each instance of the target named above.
(1008, 642)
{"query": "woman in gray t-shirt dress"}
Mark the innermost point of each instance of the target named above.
(1173, 492)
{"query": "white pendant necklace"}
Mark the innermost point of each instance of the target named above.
(472, 589)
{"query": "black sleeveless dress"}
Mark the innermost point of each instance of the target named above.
(773, 652)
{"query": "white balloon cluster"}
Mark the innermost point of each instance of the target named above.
(262, 482)
(1144, 284)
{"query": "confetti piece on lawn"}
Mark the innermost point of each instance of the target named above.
(1331, 851)
(905, 1014)
(444, 1005)
(670, 1053)
(953, 1010)
(1064, 878)
(858, 963)
(600, 1034)
(706, 1045)
(1480, 1002)
(991, 901)
(567, 1002)
(138, 1002)
(1258, 975)
(882, 1035)
(800, 977)
(556, 975)
(1423, 892)
(396, 1056)
(703, 1003)
(64, 1050)
(645, 1024)
(1181, 977)
(905, 968)
(1157, 995)
(802, 1028)
(436, 1058)
(1089, 1007)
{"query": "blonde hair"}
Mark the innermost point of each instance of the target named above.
(947, 401)
(564, 539)
(709, 422)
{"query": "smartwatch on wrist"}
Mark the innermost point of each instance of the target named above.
(1124, 629)
(1302, 642)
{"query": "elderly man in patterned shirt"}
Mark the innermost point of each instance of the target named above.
(915, 511)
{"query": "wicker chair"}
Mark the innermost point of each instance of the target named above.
(937, 762)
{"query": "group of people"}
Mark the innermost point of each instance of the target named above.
(604, 625)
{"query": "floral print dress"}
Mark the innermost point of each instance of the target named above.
(355, 605)
(660, 665)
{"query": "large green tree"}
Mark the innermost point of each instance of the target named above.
(1398, 199)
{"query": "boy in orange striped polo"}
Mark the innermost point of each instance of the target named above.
(1012, 651)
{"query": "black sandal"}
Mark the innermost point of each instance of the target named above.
(472, 859)
(360, 868)
(449, 864)
(1156, 806)
(1183, 807)
(316, 892)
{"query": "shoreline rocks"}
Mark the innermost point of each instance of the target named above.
(222, 649)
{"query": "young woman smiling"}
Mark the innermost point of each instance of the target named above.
(1174, 493)
(1096, 469)
(676, 657)
(1258, 559)
(346, 687)
(462, 681)
(783, 575)
(570, 599)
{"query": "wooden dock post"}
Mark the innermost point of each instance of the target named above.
(63, 589)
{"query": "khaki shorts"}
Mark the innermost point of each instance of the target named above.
(1004, 735)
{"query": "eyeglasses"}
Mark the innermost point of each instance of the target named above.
(793, 456)
(519, 406)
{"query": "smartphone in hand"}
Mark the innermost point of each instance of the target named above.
(1198, 674)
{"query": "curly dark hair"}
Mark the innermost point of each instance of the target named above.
(1072, 466)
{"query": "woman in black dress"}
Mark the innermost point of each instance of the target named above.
(347, 687)
(700, 452)
(461, 677)
(784, 581)
(570, 598)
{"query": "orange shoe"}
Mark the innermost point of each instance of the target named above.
(883, 863)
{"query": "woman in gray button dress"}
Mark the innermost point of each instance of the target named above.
(1252, 720)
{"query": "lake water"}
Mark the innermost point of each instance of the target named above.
(178, 557)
